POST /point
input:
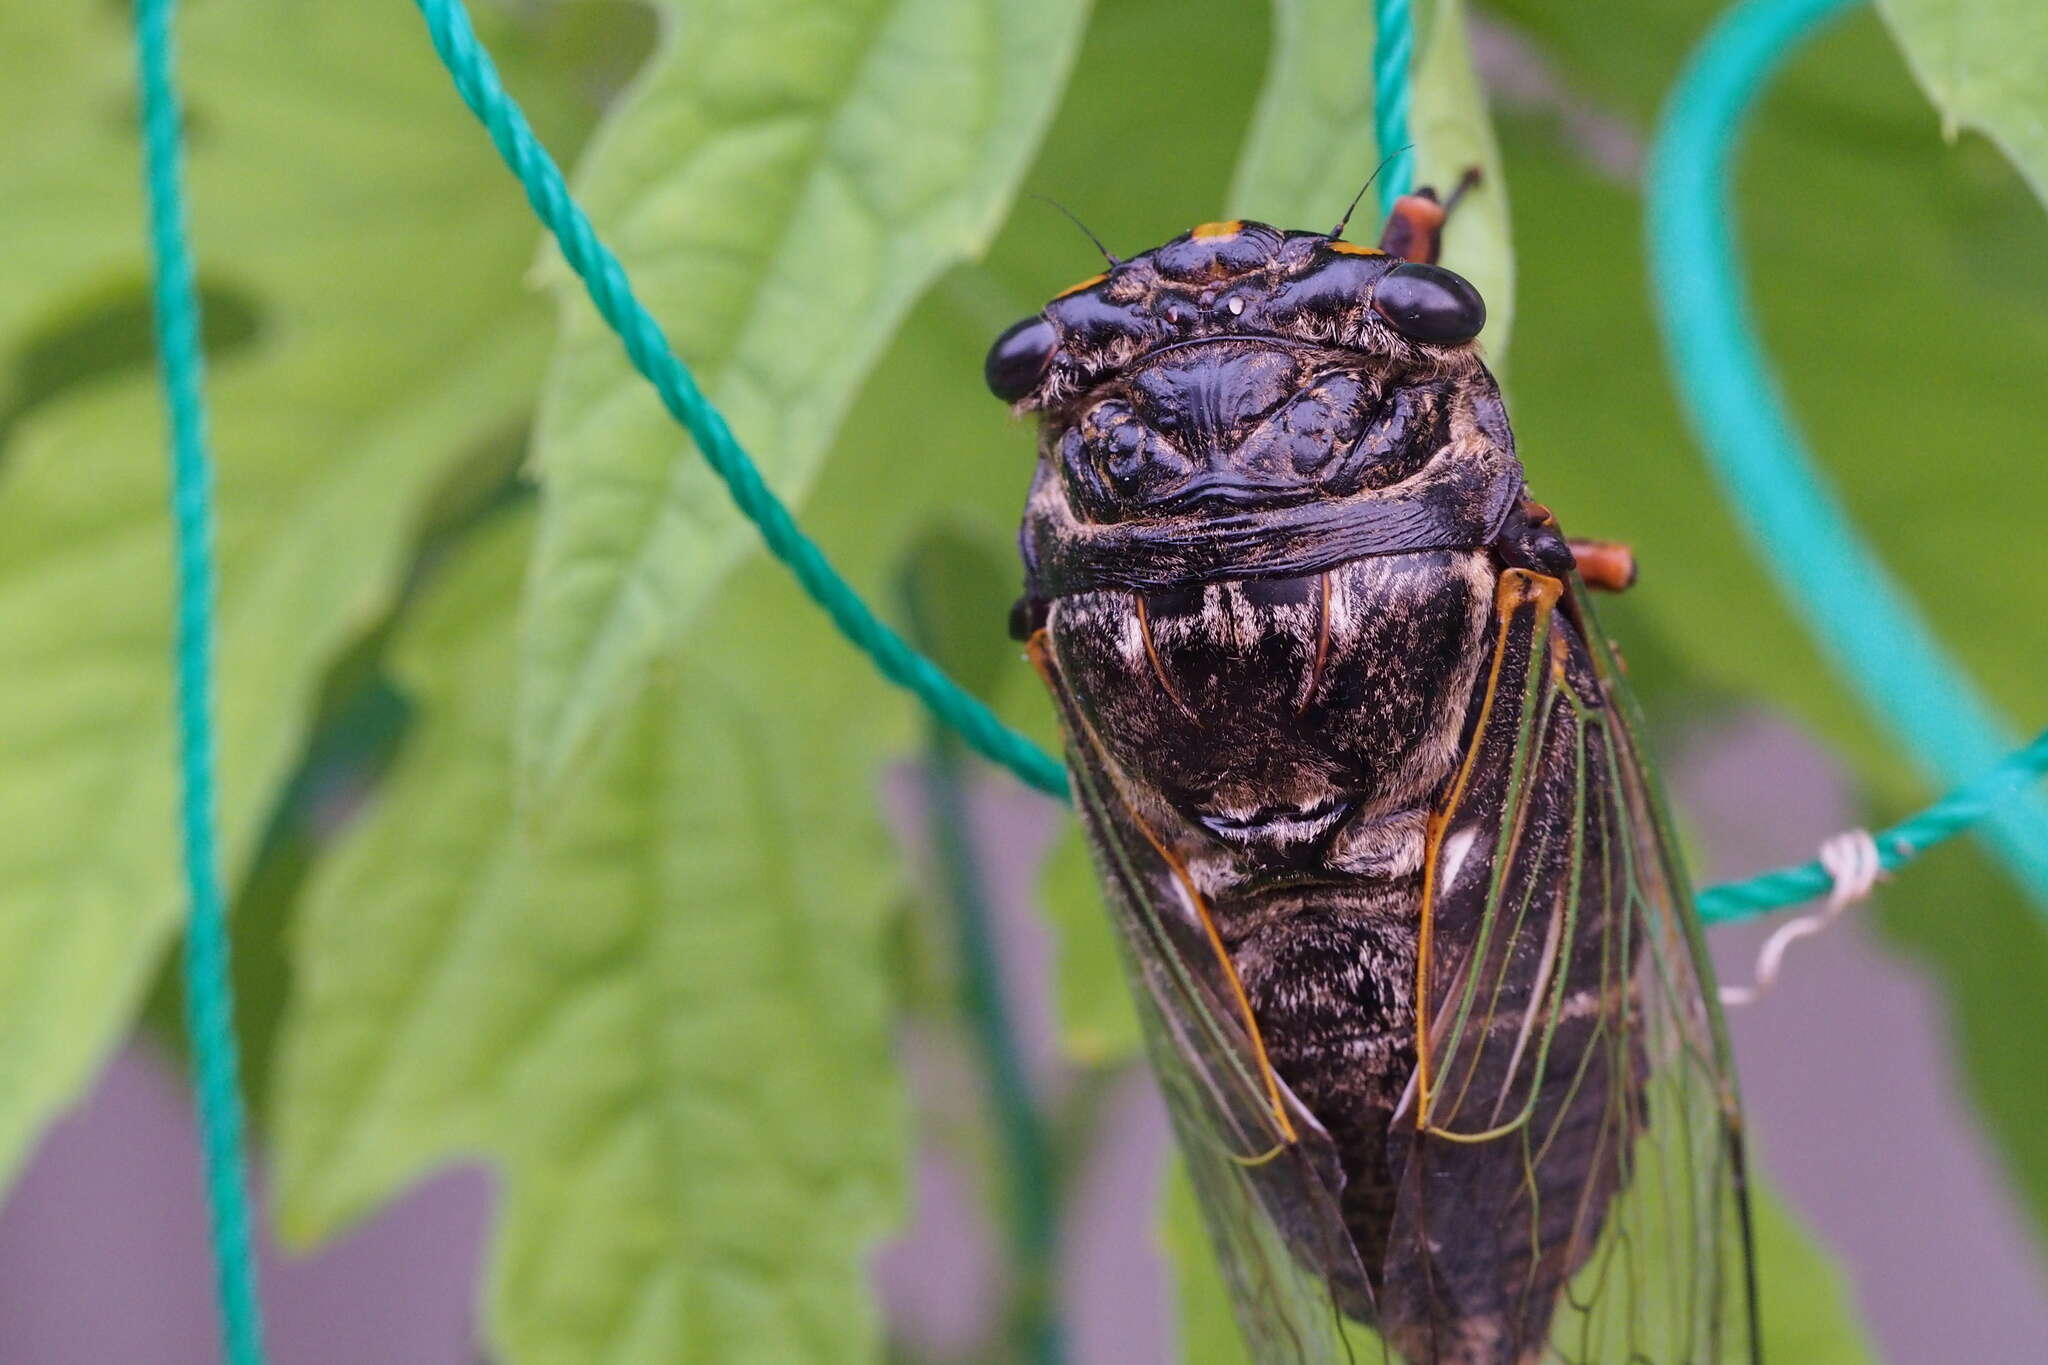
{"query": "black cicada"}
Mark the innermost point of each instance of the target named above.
(1402, 908)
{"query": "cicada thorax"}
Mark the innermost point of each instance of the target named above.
(1285, 726)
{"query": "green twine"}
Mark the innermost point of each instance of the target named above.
(1897, 846)
(209, 992)
(1740, 418)
(476, 78)
(1393, 49)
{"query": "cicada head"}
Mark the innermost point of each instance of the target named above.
(1239, 365)
(1239, 369)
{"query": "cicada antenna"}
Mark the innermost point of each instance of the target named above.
(1085, 230)
(1342, 223)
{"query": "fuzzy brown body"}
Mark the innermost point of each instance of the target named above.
(1402, 915)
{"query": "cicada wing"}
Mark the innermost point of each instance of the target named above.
(1571, 1185)
(1265, 1172)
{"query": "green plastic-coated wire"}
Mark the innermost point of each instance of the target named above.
(1393, 52)
(209, 992)
(1896, 846)
(1740, 417)
(476, 77)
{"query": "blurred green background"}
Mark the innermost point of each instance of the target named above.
(553, 809)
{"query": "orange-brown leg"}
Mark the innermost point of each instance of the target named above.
(1608, 565)
(1415, 228)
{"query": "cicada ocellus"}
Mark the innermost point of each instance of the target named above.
(1401, 906)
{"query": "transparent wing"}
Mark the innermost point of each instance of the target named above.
(1265, 1173)
(1572, 1184)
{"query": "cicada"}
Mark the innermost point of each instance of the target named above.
(1364, 786)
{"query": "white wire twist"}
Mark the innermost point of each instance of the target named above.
(1851, 858)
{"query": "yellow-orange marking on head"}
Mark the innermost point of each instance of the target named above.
(1212, 232)
(1355, 249)
(1088, 283)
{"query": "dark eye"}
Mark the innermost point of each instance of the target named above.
(1016, 362)
(1429, 303)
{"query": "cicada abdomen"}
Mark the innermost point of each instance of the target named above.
(1397, 897)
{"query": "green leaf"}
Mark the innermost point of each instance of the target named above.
(1311, 141)
(1984, 63)
(784, 181)
(664, 1018)
(1208, 1329)
(1098, 1023)
(362, 258)
(955, 580)
(1807, 1315)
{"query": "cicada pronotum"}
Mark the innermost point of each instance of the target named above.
(1401, 906)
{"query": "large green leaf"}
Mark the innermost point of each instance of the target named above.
(1311, 142)
(783, 183)
(363, 258)
(664, 1017)
(386, 1073)
(1984, 63)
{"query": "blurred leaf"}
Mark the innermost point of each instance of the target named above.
(363, 257)
(1311, 141)
(664, 1018)
(783, 182)
(955, 583)
(1207, 1328)
(1984, 63)
(1452, 135)
(1807, 1311)
(1098, 1023)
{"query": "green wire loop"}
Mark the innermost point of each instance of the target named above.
(1739, 417)
(209, 989)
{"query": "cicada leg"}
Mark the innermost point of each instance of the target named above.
(1415, 228)
(1609, 565)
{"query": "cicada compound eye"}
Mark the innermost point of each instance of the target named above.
(1429, 303)
(1018, 359)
